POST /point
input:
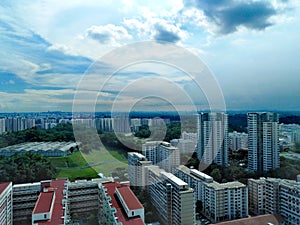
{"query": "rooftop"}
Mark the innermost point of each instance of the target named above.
(57, 217)
(44, 202)
(40, 146)
(3, 186)
(129, 197)
(256, 220)
(120, 213)
(173, 178)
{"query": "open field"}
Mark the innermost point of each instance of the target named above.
(79, 165)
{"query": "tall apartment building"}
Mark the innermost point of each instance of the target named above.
(220, 202)
(118, 205)
(283, 197)
(257, 196)
(162, 154)
(212, 141)
(136, 169)
(6, 204)
(2, 125)
(263, 141)
(172, 197)
(238, 141)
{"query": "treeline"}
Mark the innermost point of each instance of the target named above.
(62, 132)
(289, 169)
(25, 168)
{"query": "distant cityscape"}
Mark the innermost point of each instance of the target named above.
(178, 193)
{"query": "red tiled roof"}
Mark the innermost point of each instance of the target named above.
(58, 211)
(122, 217)
(130, 199)
(3, 186)
(43, 204)
(256, 220)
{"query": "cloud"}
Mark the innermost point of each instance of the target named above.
(227, 16)
(108, 34)
(168, 33)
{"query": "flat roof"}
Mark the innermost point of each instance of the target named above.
(256, 220)
(58, 211)
(3, 186)
(44, 202)
(130, 199)
(120, 213)
(40, 146)
(174, 179)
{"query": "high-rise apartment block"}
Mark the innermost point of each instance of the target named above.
(220, 202)
(238, 141)
(6, 204)
(212, 141)
(136, 169)
(172, 197)
(263, 141)
(162, 154)
(257, 196)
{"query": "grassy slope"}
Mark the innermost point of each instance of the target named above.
(101, 161)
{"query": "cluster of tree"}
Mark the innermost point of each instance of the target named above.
(143, 132)
(62, 132)
(288, 170)
(25, 168)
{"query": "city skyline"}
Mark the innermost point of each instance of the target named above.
(250, 46)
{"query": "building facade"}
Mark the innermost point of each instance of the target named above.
(172, 197)
(162, 154)
(212, 141)
(263, 141)
(282, 197)
(220, 202)
(136, 169)
(6, 204)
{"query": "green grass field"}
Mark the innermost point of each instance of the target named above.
(79, 165)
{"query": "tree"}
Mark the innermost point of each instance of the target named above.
(216, 174)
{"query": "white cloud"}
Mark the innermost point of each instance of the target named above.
(108, 34)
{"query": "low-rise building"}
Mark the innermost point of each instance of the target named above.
(119, 205)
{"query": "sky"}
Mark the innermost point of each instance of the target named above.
(52, 51)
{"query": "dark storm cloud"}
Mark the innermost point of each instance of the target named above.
(163, 34)
(228, 15)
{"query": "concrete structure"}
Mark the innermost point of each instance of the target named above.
(24, 199)
(136, 169)
(220, 202)
(184, 146)
(212, 141)
(172, 197)
(6, 204)
(283, 197)
(162, 154)
(52, 205)
(83, 195)
(263, 141)
(43, 148)
(18, 123)
(267, 219)
(118, 205)
(2, 125)
(238, 141)
(257, 196)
